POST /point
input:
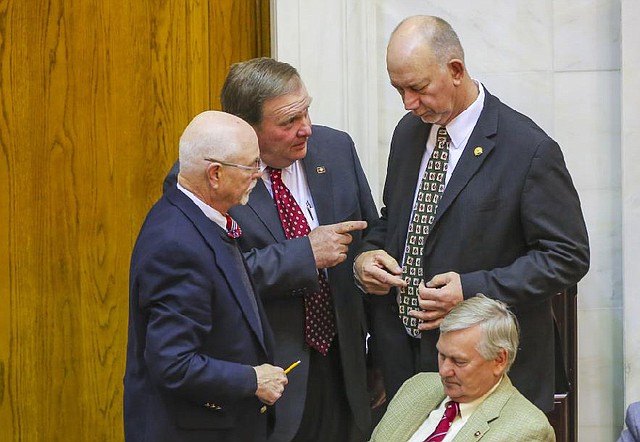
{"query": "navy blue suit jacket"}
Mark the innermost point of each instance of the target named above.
(509, 222)
(194, 332)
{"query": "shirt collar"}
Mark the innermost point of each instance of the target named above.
(209, 211)
(468, 408)
(460, 127)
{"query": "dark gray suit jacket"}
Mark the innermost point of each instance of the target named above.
(509, 222)
(281, 267)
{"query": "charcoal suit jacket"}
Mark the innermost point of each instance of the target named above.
(509, 222)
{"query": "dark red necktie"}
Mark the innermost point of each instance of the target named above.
(319, 323)
(233, 229)
(452, 409)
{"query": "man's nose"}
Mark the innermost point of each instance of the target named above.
(305, 129)
(444, 368)
(411, 100)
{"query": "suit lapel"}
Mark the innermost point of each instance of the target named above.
(319, 179)
(412, 155)
(261, 202)
(469, 163)
(211, 233)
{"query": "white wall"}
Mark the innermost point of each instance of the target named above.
(563, 63)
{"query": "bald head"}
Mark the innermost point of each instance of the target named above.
(424, 36)
(425, 62)
(213, 134)
(218, 154)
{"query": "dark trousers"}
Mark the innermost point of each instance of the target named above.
(327, 415)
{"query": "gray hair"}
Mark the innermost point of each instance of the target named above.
(498, 324)
(250, 83)
(436, 33)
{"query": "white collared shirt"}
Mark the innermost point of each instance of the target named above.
(295, 179)
(209, 211)
(459, 130)
(466, 410)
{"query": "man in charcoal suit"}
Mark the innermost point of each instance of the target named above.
(501, 215)
(327, 397)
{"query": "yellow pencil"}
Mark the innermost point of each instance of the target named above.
(263, 409)
(291, 367)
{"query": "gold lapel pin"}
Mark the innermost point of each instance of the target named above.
(478, 151)
(321, 169)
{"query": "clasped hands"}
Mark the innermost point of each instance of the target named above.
(378, 272)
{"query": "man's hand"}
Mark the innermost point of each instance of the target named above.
(375, 387)
(437, 298)
(330, 242)
(377, 272)
(271, 382)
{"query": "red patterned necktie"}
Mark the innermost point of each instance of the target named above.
(452, 409)
(422, 217)
(233, 229)
(319, 323)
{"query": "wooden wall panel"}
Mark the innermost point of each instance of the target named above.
(93, 97)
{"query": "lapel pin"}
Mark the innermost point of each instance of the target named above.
(478, 151)
(321, 169)
(477, 433)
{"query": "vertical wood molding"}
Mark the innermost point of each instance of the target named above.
(94, 96)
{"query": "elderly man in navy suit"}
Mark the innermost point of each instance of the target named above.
(312, 173)
(477, 199)
(199, 349)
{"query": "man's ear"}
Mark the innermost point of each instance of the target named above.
(456, 70)
(500, 362)
(214, 172)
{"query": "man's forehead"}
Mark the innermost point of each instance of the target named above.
(287, 105)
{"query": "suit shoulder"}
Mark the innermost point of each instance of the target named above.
(421, 382)
(324, 133)
(519, 123)
(520, 409)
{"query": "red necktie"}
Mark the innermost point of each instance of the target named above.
(319, 323)
(233, 229)
(452, 409)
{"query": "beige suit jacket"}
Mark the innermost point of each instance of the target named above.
(505, 415)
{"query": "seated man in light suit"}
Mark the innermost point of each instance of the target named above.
(477, 345)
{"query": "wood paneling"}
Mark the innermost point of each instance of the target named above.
(93, 97)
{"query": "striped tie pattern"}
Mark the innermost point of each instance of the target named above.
(233, 229)
(452, 409)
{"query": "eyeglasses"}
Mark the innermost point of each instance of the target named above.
(252, 169)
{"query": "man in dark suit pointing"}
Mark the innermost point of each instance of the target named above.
(301, 225)
(492, 210)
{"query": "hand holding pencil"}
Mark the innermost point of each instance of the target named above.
(287, 370)
(271, 382)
